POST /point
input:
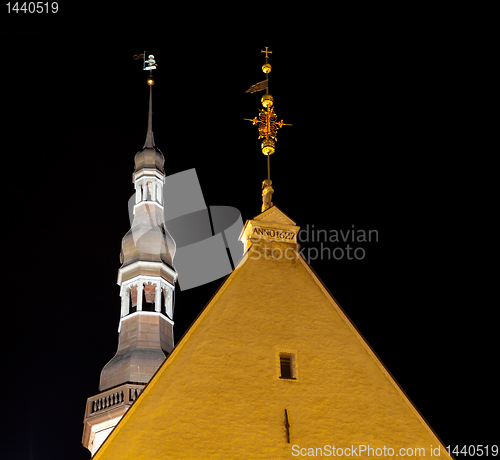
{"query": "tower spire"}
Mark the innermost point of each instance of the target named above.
(150, 142)
(147, 280)
(268, 128)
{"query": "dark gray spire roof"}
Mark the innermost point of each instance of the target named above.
(150, 142)
(150, 156)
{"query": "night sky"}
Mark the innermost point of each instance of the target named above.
(368, 148)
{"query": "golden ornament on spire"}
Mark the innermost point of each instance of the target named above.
(268, 125)
(267, 119)
(266, 68)
(270, 52)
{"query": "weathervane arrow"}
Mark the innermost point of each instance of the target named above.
(257, 87)
(150, 61)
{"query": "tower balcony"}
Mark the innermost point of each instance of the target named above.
(104, 411)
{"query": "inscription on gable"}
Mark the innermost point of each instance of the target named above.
(274, 233)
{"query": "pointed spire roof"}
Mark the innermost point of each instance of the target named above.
(150, 142)
(150, 157)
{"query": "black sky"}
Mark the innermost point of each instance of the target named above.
(368, 147)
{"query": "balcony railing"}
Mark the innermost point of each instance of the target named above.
(124, 395)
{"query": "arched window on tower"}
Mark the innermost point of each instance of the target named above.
(148, 299)
(158, 194)
(132, 299)
(163, 308)
(144, 192)
(138, 191)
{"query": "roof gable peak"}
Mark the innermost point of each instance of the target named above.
(274, 215)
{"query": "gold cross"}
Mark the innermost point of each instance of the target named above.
(266, 52)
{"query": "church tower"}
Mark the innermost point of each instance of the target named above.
(147, 282)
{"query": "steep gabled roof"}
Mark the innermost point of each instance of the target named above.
(220, 393)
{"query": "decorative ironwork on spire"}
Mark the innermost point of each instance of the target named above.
(151, 64)
(268, 125)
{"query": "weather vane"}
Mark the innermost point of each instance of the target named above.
(268, 129)
(151, 64)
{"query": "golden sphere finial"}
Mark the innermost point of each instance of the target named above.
(151, 80)
(267, 146)
(267, 100)
(266, 68)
